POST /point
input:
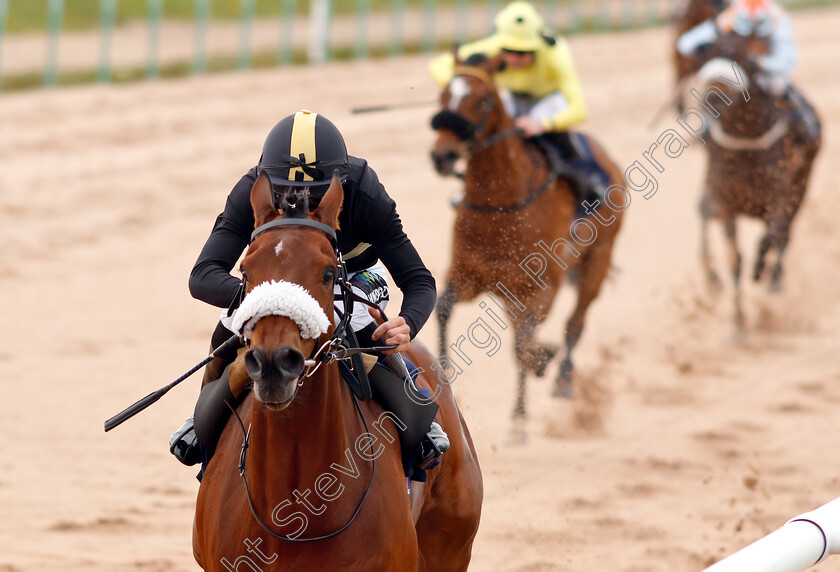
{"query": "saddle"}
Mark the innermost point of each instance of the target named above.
(570, 157)
(401, 399)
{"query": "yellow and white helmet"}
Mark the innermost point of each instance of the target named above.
(519, 27)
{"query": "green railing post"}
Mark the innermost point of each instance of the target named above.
(288, 14)
(493, 8)
(55, 15)
(653, 15)
(362, 17)
(603, 20)
(154, 10)
(4, 14)
(107, 16)
(550, 13)
(246, 16)
(202, 16)
(462, 18)
(397, 44)
(429, 9)
(574, 17)
(628, 19)
(320, 16)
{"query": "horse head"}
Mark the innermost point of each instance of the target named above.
(289, 271)
(688, 14)
(471, 112)
(712, 61)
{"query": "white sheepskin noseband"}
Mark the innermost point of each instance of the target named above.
(280, 299)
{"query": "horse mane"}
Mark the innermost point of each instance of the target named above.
(475, 60)
(294, 203)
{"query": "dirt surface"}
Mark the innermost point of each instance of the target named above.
(681, 446)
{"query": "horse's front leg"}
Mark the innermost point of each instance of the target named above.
(735, 266)
(712, 279)
(445, 303)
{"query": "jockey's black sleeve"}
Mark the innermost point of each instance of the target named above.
(210, 279)
(373, 215)
(370, 230)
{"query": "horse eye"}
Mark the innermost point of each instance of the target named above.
(328, 277)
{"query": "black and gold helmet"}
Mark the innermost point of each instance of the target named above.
(303, 150)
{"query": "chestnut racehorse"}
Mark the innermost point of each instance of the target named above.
(320, 484)
(760, 159)
(512, 205)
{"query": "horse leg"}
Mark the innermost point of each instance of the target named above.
(763, 248)
(779, 226)
(781, 236)
(593, 270)
(712, 279)
(445, 303)
(523, 339)
(735, 265)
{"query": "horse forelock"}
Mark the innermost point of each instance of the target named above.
(294, 203)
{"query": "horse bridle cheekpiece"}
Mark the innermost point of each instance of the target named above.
(463, 128)
(278, 300)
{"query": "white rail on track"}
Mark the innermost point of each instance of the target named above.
(801, 543)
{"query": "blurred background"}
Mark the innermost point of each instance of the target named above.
(60, 42)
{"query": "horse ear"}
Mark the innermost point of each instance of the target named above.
(494, 64)
(330, 206)
(262, 200)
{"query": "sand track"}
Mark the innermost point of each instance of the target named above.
(681, 447)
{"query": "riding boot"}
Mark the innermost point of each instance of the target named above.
(435, 442)
(183, 443)
(585, 176)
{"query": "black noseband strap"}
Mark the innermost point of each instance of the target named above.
(295, 221)
(455, 122)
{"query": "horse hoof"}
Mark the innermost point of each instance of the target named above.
(518, 433)
(739, 336)
(714, 283)
(563, 388)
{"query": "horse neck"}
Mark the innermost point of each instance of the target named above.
(501, 172)
(291, 448)
(749, 119)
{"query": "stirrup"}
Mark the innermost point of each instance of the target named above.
(183, 443)
(434, 444)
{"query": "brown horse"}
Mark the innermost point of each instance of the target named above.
(320, 484)
(759, 159)
(515, 232)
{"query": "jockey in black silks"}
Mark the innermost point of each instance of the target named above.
(300, 155)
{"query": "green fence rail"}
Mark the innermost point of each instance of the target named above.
(197, 36)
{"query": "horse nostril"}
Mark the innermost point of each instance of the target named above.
(289, 362)
(442, 161)
(255, 361)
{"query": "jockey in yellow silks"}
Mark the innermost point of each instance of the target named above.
(538, 85)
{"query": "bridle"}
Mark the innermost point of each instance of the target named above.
(330, 351)
(471, 132)
(471, 135)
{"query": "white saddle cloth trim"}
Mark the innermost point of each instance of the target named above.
(280, 299)
(767, 140)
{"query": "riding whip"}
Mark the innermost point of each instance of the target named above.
(390, 107)
(232, 343)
